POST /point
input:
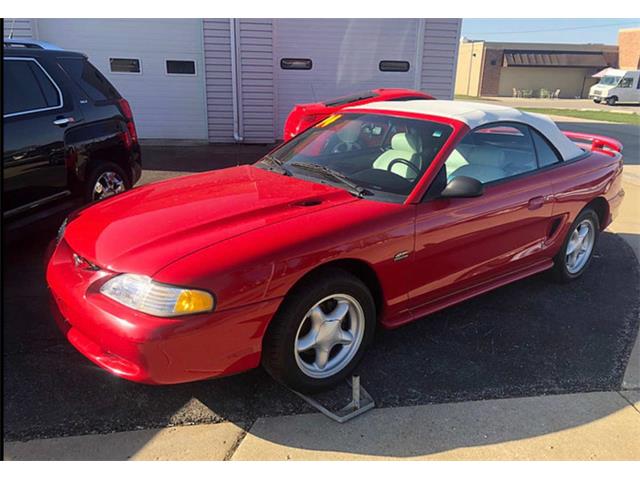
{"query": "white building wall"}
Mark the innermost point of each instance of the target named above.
(257, 82)
(439, 56)
(19, 28)
(217, 55)
(345, 55)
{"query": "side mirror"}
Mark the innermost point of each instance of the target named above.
(463, 187)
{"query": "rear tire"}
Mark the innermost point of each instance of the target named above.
(105, 180)
(320, 332)
(577, 249)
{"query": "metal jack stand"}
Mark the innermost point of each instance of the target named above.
(360, 403)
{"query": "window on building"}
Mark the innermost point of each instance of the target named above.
(27, 87)
(546, 153)
(124, 65)
(394, 66)
(296, 63)
(181, 67)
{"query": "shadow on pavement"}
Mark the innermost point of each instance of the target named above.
(529, 338)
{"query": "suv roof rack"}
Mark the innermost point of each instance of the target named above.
(29, 43)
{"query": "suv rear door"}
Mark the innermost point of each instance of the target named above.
(38, 113)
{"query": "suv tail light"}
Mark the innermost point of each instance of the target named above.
(128, 115)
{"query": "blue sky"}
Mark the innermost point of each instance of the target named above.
(547, 30)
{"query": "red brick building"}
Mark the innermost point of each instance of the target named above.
(629, 48)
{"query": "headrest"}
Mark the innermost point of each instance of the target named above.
(406, 142)
(483, 155)
(350, 132)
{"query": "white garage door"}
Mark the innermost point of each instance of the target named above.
(165, 79)
(345, 58)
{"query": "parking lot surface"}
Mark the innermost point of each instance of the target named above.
(532, 337)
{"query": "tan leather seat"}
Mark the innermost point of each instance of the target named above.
(406, 147)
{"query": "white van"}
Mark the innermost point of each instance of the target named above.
(617, 86)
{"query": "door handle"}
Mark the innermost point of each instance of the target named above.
(62, 122)
(536, 203)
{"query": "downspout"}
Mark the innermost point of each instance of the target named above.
(235, 86)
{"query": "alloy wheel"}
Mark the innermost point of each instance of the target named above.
(580, 246)
(329, 336)
(108, 184)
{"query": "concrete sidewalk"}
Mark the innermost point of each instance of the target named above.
(592, 426)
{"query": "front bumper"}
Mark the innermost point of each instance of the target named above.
(148, 349)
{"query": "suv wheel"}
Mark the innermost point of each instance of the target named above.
(105, 181)
(320, 332)
(612, 100)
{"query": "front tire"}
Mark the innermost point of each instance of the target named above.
(596, 100)
(611, 101)
(320, 332)
(577, 250)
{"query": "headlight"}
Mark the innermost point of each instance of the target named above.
(141, 293)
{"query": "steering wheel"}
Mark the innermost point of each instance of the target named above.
(404, 162)
(346, 147)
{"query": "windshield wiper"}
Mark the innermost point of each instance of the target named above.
(275, 165)
(335, 175)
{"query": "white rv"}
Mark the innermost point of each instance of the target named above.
(617, 86)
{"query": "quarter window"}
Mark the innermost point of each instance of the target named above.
(28, 88)
(124, 65)
(493, 153)
(89, 78)
(546, 154)
(181, 67)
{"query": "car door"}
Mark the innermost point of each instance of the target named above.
(37, 113)
(461, 243)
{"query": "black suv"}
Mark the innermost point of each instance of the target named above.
(69, 136)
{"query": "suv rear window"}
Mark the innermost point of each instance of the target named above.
(89, 79)
(27, 87)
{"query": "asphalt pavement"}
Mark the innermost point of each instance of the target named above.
(530, 338)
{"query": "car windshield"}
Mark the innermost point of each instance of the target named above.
(609, 80)
(382, 156)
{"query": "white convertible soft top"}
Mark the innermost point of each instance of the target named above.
(476, 114)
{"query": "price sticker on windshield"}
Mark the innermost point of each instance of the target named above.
(328, 121)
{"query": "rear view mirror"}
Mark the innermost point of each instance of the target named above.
(463, 187)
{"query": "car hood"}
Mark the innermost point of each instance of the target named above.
(149, 227)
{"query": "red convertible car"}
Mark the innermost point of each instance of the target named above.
(376, 216)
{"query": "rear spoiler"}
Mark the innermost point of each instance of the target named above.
(597, 142)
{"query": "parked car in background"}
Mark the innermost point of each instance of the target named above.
(617, 86)
(293, 262)
(305, 115)
(69, 136)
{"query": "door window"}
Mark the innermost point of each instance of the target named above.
(493, 153)
(28, 88)
(626, 82)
